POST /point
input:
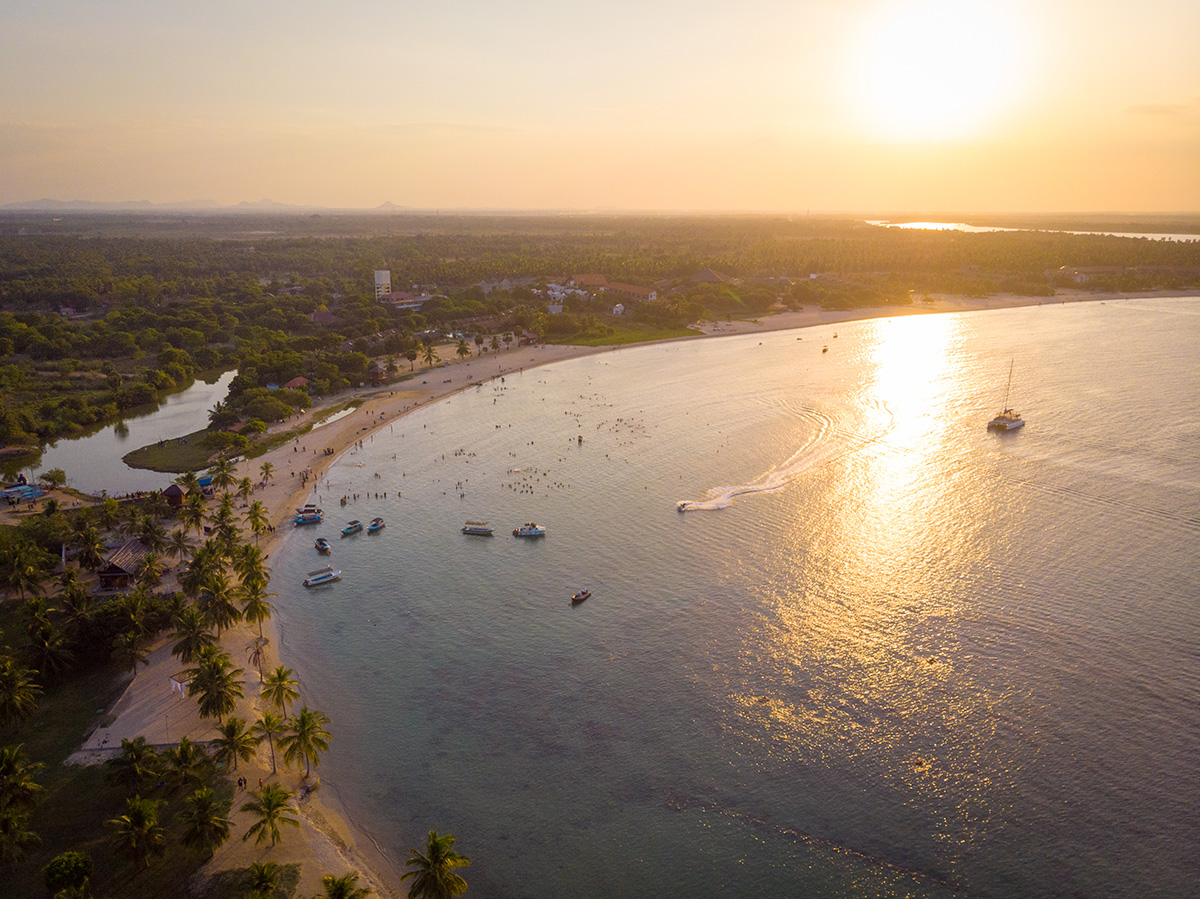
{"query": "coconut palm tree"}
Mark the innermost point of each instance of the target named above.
(306, 739)
(108, 513)
(128, 651)
(268, 471)
(18, 692)
(265, 728)
(191, 513)
(189, 482)
(251, 566)
(137, 835)
(255, 608)
(191, 635)
(462, 348)
(22, 568)
(16, 839)
(494, 343)
(187, 764)
(79, 608)
(257, 519)
(150, 569)
(206, 822)
(433, 871)
(89, 548)
(152, 534)
(280, 689)
(216, 602)
(217, 684)
(18, 789)
(234, 743)
(270, 805)
(48, 647)
(204, 563)
(178, 544)
(258, 652)
(262, 880)
(429, 354)
(223, 476)
(344, 887)
(137, 764)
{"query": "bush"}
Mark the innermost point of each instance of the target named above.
(70, 870)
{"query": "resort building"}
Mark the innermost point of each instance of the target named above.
(383, 283)
(120, 569)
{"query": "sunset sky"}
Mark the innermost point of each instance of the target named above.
(822, 105)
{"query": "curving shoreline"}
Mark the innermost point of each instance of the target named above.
(332, 842)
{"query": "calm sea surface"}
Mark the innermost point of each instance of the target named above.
(887, 653)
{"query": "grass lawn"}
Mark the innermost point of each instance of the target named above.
(172, 455)
(623, 334)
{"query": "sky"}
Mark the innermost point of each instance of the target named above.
(755, 105)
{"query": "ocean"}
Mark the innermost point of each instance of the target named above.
(882, 652)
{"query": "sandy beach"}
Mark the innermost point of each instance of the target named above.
(329, 843)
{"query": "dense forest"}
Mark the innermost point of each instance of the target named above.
(103, 314)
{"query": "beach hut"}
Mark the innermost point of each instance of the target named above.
(120, 568)
(174, 496)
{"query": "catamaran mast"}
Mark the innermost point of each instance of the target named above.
(1009, 387)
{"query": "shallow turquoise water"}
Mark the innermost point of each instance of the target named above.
(889, 653)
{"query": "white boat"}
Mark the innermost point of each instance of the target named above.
(529, 529)
(478, 528)
(309, 509)
(326, 575)
(1008, 418)
(377, 524)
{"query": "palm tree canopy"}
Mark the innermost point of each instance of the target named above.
(18, 789)
(138, 834)
(280, 688)
(18, 691)
(306, 739)
(433, 871)
(234, 744)
(206, 820)
(270, 805)
(344, 887)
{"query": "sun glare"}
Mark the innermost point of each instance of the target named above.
(934, 69)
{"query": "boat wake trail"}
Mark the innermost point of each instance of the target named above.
(827, 441)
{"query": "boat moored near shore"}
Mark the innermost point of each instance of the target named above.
(477, 528)
(529, 529)
(326, 575)
(322, 545)
(376, 525)
(352, 528)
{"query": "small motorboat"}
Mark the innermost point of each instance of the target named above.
(529, 529)
(477, 528)
(321, 576)
(322, 545)
(352, 528)
(376, 525)
(580, 597)
(308, 518)
(309, 509)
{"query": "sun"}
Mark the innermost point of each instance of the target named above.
(935, 69)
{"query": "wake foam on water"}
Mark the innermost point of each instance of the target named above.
(827, 440)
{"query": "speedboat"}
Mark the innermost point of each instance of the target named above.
(308, 518)
(529, 529)
(477, 528)
(322, 545)
(326, 575)
(352, 528)
(375, 525)
(580, 597)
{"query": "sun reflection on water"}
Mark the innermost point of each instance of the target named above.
(857, 664)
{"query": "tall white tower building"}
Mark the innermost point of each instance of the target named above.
(383, 283)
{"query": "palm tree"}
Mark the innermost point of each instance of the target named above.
(433, 872)
(235, 743)
(280, 689)
(205, 820)
(21, 568)
(48, 648)
(178, 545)
(429, 354)
(255, 608)
(256, 518)
(187, 764)
(152, 534)
(268, 471)
(189, 482)
(494, 343)
(216, 602)
(18, 789)
(217, 684)
(203, 564)
(270, 804)
(306, 739)
(191, 635)
(18, 692)
(137, 764)
(265, 728)
(223, 475)
(79, 608)
(344, 887)
(150, 569)
(90, 546)
(128, 652)
(258, 651)
(251, 565)
(263, 879)
(463, 349)
(15, 836)
(137, 833)
(191, 513)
